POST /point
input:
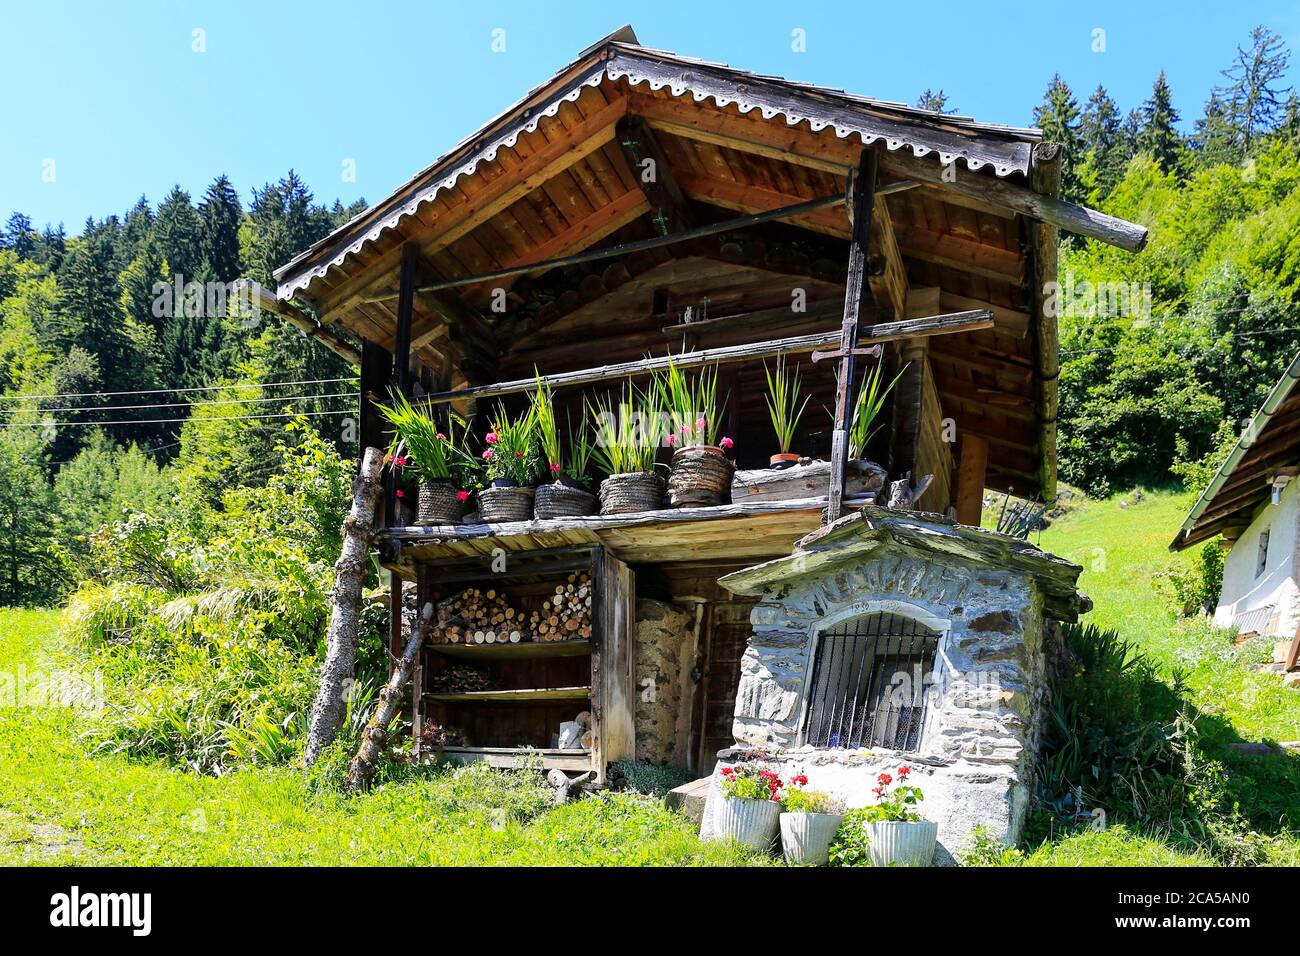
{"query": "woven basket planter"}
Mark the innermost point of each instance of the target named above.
(631, 492)
(701, 477)
(496, 505)
(563, 501)
(438, 504)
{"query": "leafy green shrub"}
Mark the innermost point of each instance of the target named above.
(650, 779)
(1195, 587)
(851, 844)
(984, 849)
(208, 621)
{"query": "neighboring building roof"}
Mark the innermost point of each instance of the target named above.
(1269, 446)
(873, 529)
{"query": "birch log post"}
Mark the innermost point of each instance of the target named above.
(362, 768)
(341, 643)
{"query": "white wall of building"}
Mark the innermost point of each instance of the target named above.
(1278, 586)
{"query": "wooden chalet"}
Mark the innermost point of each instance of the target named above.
(640, 204)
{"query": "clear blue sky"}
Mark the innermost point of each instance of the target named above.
(115, 95)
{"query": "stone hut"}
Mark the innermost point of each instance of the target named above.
(894, 637)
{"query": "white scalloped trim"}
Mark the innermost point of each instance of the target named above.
(614, 71)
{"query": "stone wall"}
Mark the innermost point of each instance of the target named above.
(974, 760)
(665, 654)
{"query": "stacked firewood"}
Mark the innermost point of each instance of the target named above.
(436, 736)
(477, 616)
(460, 679)
(566, 614)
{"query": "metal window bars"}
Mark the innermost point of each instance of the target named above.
(869, 683)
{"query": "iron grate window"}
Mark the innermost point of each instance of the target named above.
(868, 684)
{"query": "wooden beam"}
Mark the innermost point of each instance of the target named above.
(628, 248)
(589, 230)
(405, 306)
(671, 213)
(1042, 207)
(266, 300)
(548, 162)
(888, 274)
(861, 187)
(1044, 241)
(740, 197)
(831, 154)
(971, 471)
(953, 252)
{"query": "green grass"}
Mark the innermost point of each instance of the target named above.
(60, 806)
(1122, 543)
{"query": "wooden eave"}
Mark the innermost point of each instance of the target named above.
(550, 178)
(1243, 483)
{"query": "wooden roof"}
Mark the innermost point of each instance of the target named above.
(1269, 446)
(551, 177)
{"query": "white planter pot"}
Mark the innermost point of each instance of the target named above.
(902, 843)
(806, 837)
(751, 822)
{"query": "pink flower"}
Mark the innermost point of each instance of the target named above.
(462, 496)
(685, 429)
(491, 438)
(488, 453)
(555, 467)
(884, 779)
(441, 437)
(726, 443)
(699, 424)
(904, 771)
(401, 493)
(672, 439)
(400, 461)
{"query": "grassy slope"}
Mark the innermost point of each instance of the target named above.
(59, 806)
(1121, 544)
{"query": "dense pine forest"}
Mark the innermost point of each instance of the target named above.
(113, 404)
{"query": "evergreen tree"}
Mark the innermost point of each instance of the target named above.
(221, 214)
(30, 572)
(1216, 139)
(51, 247)
(1255, 100)
(936, 101)
(178, 230)
(1158, 137)
(1058, 118)
(18, 236)
(1102, 138)
(1289, 129)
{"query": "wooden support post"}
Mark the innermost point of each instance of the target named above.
(970, 478)
(861, 185)
(405, 306)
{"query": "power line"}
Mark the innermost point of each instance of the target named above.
(204, 403)
(175, 391)
(166, 421)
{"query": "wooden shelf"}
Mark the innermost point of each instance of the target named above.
(506, 696)
(520, 651)
(516, 757)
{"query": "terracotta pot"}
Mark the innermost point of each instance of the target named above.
(784, 460)
(751, 822)
(496, 505)
(700, 477)
(438, 504)
(631, 492)
(902, 842)
(806, 837)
